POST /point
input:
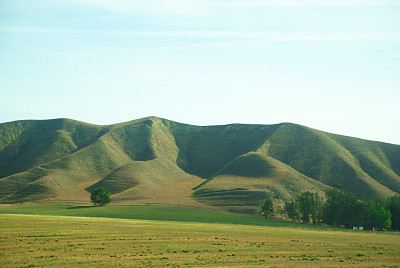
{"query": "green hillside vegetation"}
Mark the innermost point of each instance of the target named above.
(157, 161)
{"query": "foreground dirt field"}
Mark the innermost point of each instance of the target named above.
(42, 241)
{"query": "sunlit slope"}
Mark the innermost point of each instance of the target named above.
(153, 160)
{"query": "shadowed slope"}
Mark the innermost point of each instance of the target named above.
(203, 151)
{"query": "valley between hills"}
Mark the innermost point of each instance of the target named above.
(158, 161)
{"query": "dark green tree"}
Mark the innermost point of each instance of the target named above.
(393, 205)
(377, 214)
(267, 208)
(351, 211)
(100, 196)
(292, 211)
(316, 210)
(306, 204)
(332, 209)
(382, 218)
(342, 209)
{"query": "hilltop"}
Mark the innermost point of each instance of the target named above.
(154, 160)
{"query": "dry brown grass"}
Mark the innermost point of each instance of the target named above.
(30, 241)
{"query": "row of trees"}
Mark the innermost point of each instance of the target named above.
(341, 209)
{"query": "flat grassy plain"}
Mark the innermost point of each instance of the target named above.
(163, 213)
(66, 241)
(149, 212)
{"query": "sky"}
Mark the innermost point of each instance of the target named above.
(332, 65)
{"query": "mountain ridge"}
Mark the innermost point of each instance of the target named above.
(60, 160)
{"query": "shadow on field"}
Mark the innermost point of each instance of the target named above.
(78, 207)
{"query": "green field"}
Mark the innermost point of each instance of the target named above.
(162, 213)
(59, 241)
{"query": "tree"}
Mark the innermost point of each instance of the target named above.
(352, 210)
(342, 209)
(267, 208)
(377, 214)
(306, 202)
(292, 211)
(393, 205)
(381, 218)
(100, 196)
(331, 210)
(316, 210)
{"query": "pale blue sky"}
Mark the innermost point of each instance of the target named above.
(332, 65)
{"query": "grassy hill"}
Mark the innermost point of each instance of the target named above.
(247, 179)
(157, 161)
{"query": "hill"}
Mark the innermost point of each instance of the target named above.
(157, 161)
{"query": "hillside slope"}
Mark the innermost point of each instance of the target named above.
(151, 160)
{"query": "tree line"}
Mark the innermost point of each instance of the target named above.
(340, 209)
